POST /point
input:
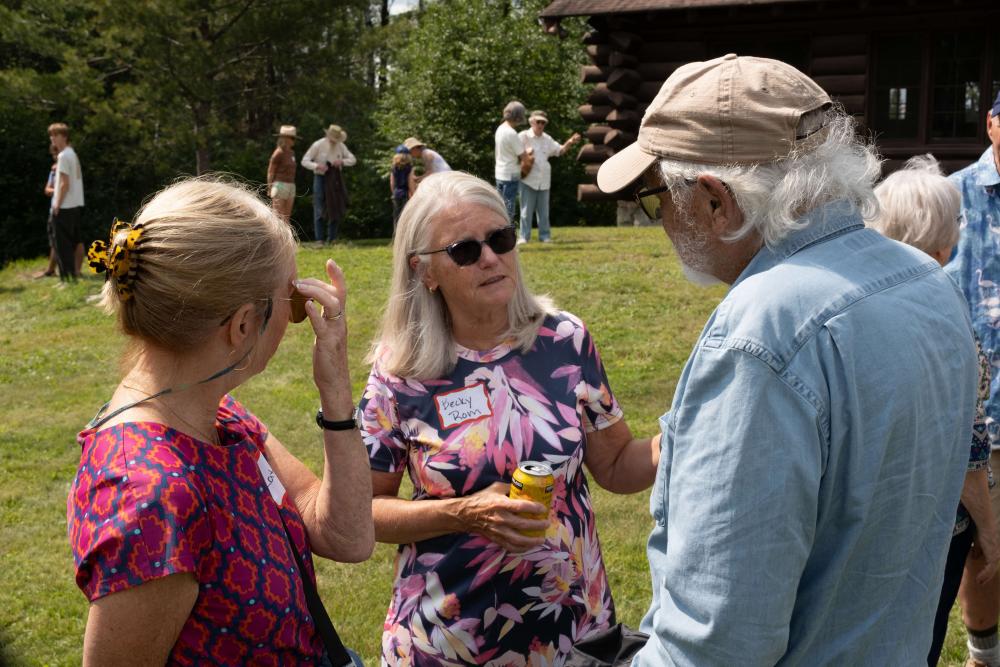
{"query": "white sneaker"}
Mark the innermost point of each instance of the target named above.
(546, 240)
(521, 240)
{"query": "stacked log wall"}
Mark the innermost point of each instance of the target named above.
(633, 54)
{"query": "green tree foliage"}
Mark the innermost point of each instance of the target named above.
(460, 62)
(157, 89)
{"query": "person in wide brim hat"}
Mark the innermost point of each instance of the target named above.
(281, 173)
(327, 156)
(336, 133)
(288, 131)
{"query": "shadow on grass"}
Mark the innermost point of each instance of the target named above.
(7, 657)
(11, 289)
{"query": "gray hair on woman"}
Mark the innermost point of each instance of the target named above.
(415, 338)
(919, 206)
(514, 112)
(772, 196)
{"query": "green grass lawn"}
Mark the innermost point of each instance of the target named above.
(59, 364)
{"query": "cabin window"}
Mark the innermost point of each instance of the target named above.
(957, 99)
(933, 87)
(898, 72)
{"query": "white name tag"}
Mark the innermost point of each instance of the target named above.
(463, 405)
(274, 484)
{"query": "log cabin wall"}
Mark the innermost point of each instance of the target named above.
(855, 50)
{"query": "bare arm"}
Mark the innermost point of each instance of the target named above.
(489, 513)
(619, 462)
(569, 143)
(411, 182)
(139, 626)
(392, 183)
(336, 509)
(976, 498)
(272, 166)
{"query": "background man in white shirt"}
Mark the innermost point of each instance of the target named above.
(67, 203)
(328, 155)
(507, 168)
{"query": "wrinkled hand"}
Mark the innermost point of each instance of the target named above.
(575, 138)
(493, 515)
(987, 550)
(325, 301)
(338, 163)
(320, 169)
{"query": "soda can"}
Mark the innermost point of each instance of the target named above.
(533, 480)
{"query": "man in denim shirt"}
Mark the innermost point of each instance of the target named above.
(976, 268)
(813, 456)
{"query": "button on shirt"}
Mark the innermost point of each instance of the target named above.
(508, 153)
(543, 147)
(976, 267)
(813, 458)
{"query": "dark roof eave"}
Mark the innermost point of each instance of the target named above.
(564, 8)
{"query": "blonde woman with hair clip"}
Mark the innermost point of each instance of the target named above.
(920, 207)
(473, 375)
(192, 526)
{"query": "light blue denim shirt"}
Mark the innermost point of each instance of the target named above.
(976, 267)
(813, 458)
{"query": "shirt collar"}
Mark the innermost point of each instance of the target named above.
(824, 222)
(986, 170)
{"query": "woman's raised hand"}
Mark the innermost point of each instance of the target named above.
(325, 305)
(493, 515)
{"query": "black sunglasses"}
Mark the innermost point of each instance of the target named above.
(649, 202)
(501, 241)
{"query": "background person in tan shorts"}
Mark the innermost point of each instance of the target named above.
(281, 173)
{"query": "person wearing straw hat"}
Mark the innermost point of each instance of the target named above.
(281, 173)
(325, 158)
(430, 160)
(819, 434)
(537, 182)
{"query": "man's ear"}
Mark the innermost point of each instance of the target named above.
(239, 327)
(721, 205)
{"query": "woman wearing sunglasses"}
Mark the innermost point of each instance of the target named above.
(473, 375)
(192, 526)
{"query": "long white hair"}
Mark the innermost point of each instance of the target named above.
(773, 196)
(415, 339)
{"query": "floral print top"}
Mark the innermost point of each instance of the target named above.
(460, 598)
(149, 501)
(979, 453)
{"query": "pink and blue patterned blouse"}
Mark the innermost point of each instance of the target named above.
(461, 598)
(149, 501)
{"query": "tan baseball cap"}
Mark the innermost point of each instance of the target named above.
(730, 110)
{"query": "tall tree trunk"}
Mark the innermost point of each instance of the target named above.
(383, 52)
(202, 152)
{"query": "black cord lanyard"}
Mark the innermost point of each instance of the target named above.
(100, 418)
(324, 626)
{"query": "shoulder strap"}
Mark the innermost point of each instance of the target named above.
(324, 626)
